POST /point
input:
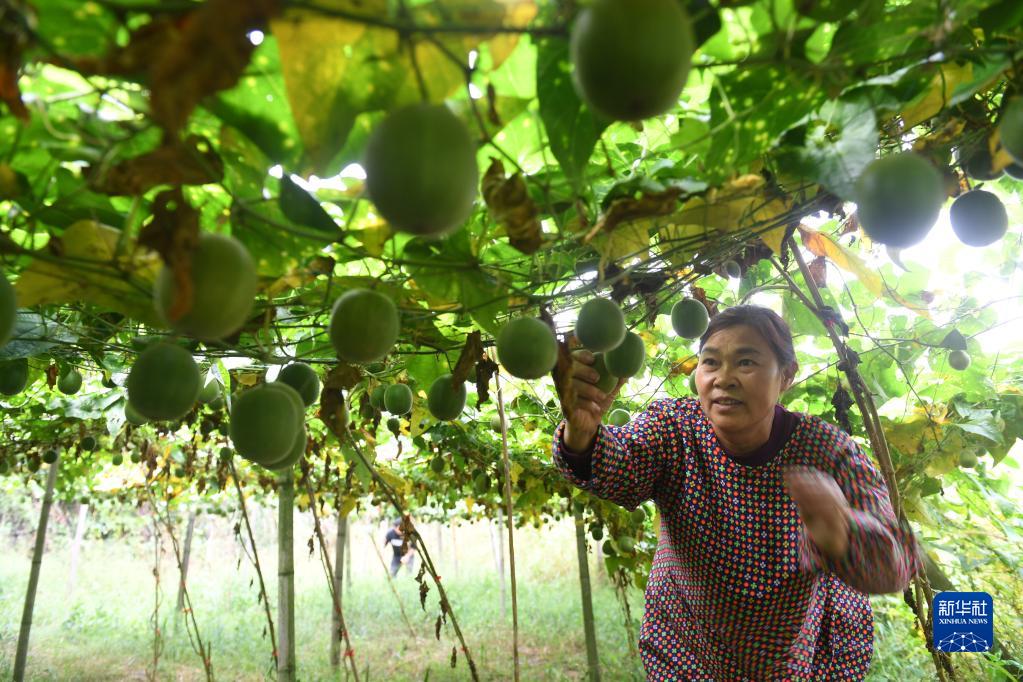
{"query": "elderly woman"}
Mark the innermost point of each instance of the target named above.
(774, 525)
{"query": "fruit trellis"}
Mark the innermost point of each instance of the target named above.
(394, 202)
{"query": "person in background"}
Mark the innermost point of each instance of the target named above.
(402, 554)
(775, 526)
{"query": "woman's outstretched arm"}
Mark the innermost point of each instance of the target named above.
(625, 463)
(881, 555)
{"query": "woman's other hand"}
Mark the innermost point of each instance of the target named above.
(822, 507)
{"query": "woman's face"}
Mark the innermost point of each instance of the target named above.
(739, 380)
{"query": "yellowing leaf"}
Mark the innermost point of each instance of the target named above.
(821, 244)
(347, 505)
(740, 204)
(678, 243)
(335, 68)
(395, 481)
(374, 238)
(421, 418)
(626, 242)
(516, 469)
(92, 270)
(938, 93)
(907, 435)
(773, 238)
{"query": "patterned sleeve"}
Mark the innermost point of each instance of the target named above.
(626, 462)
(883, 554)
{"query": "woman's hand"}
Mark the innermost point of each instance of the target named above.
(583, 417)
(822, 507)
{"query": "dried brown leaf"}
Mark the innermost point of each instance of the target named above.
(510, 204)
(174, 233)
(626, 209)
(472, 352)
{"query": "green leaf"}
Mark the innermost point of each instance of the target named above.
(572, 129)
(33, 335)
(838, 146)
(750, 109)
(300, 207)
(954, 341)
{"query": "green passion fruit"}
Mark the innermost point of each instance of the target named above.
(210, 391)
(526, 347)
(689, 318)
(444, 399)
(626, 360)
(958, 360)
(164, 382)
(132, 416)
(303, 379)
(968, 459)
(265, 422)
(898, 199)
(600, 325)
(1010, 129)
(398, 399)
(421, 171)
(977, 163)
(364, 326)
(978, 218)
(13, 376)
(70, 382)
(607, 381)
(376, 397)
(223, 282)
(631, 58)
(618, 417)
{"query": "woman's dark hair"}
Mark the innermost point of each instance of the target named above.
(769, 323)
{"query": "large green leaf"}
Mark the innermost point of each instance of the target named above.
(572, 128)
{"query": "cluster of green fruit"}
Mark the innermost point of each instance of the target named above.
(899, 196)
(268, 421)
(14, 378)
(528, 349)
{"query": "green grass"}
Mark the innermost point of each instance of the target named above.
(103, 630)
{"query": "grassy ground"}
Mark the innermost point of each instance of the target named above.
(103, 630)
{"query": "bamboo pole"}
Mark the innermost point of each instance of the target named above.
(286, 576)
(187, 555)
(339, 558)
(21, 657)
(592, 661)
(511, 525)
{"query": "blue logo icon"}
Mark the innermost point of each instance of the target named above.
(963, 621)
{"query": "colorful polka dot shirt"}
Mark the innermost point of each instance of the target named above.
(737, 590)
